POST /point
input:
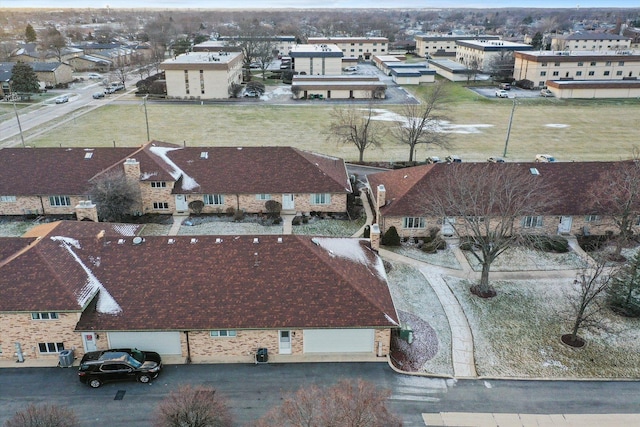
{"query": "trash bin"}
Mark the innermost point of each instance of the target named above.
(66, 358)
(262, 355)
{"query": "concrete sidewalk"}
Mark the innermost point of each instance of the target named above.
(470, 419)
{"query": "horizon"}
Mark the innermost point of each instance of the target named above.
(314, 4)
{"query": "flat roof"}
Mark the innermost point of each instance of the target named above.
(452, 37)
(315, 50)
(346, 39)
(203, 57)
(449, 65)
(584, 53)
(495, 45)
(595, 84)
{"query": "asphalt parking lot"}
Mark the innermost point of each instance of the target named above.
(514, 92)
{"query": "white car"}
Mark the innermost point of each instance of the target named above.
(545, 158)
(351, 68)
(94, 76)
(545, 92)
(453, 159)
(62, 99)
(495, 159)
(433, 159)
(501, 93)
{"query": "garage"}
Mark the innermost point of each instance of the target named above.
(338, 340)
(160, 342)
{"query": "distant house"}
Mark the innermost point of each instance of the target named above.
(202, 75)
(56, 181)
(48, 73)
(399, 198)
(215, 299)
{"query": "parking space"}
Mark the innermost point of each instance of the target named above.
(514, 92)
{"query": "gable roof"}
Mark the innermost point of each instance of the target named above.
(199, 283)
(406, 189)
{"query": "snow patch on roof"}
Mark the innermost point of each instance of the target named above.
(125, 229)
(146, 175)
(350, 249)
(188, 183)
(386, 316)
(106, 304)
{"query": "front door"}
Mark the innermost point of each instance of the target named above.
(89, 341)
(181, 203)
(285, 342)
(288, 202)
(564, 227)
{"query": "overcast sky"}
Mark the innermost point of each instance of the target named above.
(303, 4)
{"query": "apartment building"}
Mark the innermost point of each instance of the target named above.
(355, 47)
(482, 52)
(590, 41)
(317, 59)
(202, 75)
(444, 45)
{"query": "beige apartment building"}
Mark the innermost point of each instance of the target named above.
(202, 75)
(482, 52)
(317, 59)
(541, 66)
(590, 41)
(355, 47)
(439, 45)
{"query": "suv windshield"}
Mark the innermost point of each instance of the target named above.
(138, 356)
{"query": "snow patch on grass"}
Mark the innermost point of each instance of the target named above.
(443, 258)
(519, 259)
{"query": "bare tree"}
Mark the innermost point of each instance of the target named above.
(256, 43)
(624, 294)
(52, 40)
(420, 123)
(191, 406)
(501, 66)
(353, 125)
(473, 68)
(586, 302)
(483, 204)
(346, 404)
(617, 195)
(43, 416)
(115, 195)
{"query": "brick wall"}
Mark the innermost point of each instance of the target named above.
(19, 327)
(251, 204)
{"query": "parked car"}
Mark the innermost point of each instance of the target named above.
(545, 92)
(98, 95)
(109, 89)
(453, 159)
(98, 367)
(62, 99)
(351, 68)
(249, 93)
(501, 93)
(544, 158)
(495, 159)
(433, 159)
(95, 76)
(117, 86)
(505, 86)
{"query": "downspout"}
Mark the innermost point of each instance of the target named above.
(186, 334)
(42, 205)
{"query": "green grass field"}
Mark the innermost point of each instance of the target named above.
(569, 130)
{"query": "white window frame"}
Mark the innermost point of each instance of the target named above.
(223, 333)
(213, 199)
(58, 201)
(158, 184)
(51, 347)
(8, 199)
(160, 205)
(44, 315)
(532, 221)
(263, 196)
(321, 199)
(414, 222)
(592, 218)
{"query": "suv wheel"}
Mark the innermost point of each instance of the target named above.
(144, 378)
(95, 383)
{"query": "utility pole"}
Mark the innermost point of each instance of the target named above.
(15, 110)
(506, 142)
(146, 117)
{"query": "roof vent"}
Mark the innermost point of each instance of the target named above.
(218, 240)
(171, 241)
(137, 240)
(88, 155)
(194, 241)
(204, 155)
(255, 240)
(279, 239)
(534, 171)
(121, 241)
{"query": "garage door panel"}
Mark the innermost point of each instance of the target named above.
(160, 342)
(338, 340)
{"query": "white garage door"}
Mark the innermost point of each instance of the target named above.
(338, 340)
(160, 342)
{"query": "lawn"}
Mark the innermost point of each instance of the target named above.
(570, 130)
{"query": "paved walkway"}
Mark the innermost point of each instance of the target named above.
(469, 419)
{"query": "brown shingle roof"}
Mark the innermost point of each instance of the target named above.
(195, 283)
(570, 181)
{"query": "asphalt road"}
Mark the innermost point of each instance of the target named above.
(251, 390)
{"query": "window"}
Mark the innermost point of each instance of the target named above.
(213, 199)
(591, 73)
(621, 63)
(580, 64)
(532, 221)
(8, 199)
(160, 205)
(413, 222)
(321, 199)
(59, 201)
(50, 347)
(556, 64)
(555, 73)
(607, 63)
(263, 196)
(592, 218)
(544, 64)
(186, 81)
(578, 73)
(606, 73)
(593, 64)
(223, 333)
(202, 82)
(158, 184)
(618, 73)
(44, 315)
(543, 73)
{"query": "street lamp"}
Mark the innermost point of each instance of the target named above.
(15, 110)
(506, 142)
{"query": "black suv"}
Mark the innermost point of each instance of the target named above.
(98, 367)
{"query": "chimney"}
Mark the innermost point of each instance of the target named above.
(132, 169)
(85, 209)
(374, 237)
(381, 196)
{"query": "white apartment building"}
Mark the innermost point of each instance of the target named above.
(317, 59)
(590, 41)
(439, 45)
(355, 47)
(483, 51)
(202, 75)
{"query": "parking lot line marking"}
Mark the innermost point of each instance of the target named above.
(120, 395)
